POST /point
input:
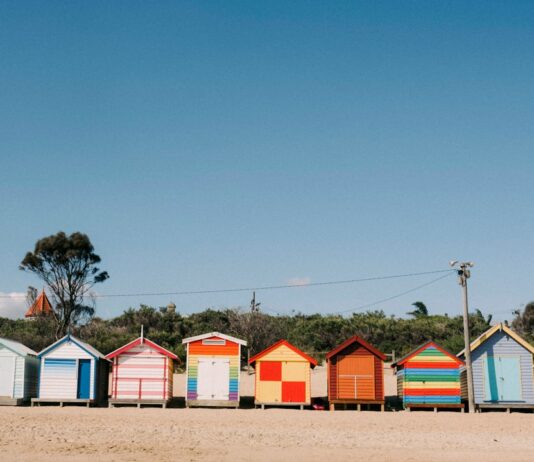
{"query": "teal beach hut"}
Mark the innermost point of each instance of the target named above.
(502, 370)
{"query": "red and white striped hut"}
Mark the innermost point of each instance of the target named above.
(142, 374)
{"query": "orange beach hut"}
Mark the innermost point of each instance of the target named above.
(355, 374)
(283, 376)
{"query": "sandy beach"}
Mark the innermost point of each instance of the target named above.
(80, 434)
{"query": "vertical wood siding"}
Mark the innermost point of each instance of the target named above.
(501, 344)
(19, 377)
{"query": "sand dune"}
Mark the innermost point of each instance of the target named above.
(79, 434)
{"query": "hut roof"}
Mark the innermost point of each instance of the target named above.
(417, 350)
(214, 334)
(362, 342)
(312, 361)
(40, 307)
(69, 338)
(17, 347)
(141, 341)
(501, 327)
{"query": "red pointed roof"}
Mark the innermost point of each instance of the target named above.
(312, 361)
(362, 342)
(40, 307)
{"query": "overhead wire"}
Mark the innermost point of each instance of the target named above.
(377, 302)
(258, 288)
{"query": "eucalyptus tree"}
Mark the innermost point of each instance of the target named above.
(68, 265)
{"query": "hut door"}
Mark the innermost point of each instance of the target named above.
(213, 381)
(7, 378)
(356, 377)
(84, 378)
(502, 378)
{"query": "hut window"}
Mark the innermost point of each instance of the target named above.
(210, 341)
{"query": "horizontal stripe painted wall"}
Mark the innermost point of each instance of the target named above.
(142, 373)
(430, 377)
(201, 349)
(355, 349)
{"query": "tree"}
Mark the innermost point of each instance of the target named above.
(420, 310)
(523, 322)
(31, 295)
(68, 266)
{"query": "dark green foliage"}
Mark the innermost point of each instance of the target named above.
(420, 310)
(315, 334)
(523, 323)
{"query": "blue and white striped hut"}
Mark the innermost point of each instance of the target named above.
(72, 372)
(502, 370)
(19, 369)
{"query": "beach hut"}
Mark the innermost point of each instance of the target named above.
(19, 369)
(213, 369)
(142, 374)
(429, 377)
(355, 374)
(502, 370)
(283, 376)
(71, 371)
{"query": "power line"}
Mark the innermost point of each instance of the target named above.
(393, 297)
(377, 302)
(274, 287)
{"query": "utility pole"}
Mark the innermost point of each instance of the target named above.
(464, 273)
(254, 308)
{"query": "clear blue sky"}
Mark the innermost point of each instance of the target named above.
(227, 144)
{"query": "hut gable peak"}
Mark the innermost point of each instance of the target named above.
(501, 327)
(17, 347)
(423, 347)
(351, 341)
(141, 341)
(214, 334)
(69, 338)
(279, 344)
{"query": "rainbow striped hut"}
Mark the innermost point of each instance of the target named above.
(213, 369)
(429, 377)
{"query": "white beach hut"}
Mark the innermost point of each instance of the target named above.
(72, 371)
(19, 369)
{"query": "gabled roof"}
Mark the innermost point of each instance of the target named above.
(69, 338)
(17, 347)
(418, 350)
(40, 307)
(214, 334)
(493, 330)
(141, 341)
(312, 361)
(362, 342)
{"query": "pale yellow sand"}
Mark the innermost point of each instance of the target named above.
(98, 435)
